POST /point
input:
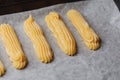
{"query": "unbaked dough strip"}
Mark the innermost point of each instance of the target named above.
(13, 46)
(90, 38)
(2, 69)
(63, 36)
(41, 46)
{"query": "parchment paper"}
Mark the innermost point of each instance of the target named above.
(103, 64)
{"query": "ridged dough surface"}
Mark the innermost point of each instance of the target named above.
(13, 46)
(63, 36)
(89, 37)
(41, 46)
(2, 69)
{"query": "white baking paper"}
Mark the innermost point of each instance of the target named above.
(103, 64)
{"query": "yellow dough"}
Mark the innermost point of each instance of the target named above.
(13, 46)
(2, 69)
(90, 38)
(64, 38)
(40, 44)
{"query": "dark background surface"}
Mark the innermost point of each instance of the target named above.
(13, 6)
(117, 3)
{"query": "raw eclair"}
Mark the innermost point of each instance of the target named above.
(41, 46)
(90, 38)
(2, 69)
(63, 36)
(13, 46)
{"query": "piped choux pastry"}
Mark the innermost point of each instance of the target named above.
(63, 36)
(2, 69)
(13, 46)
(41, 46)
(90, 38)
